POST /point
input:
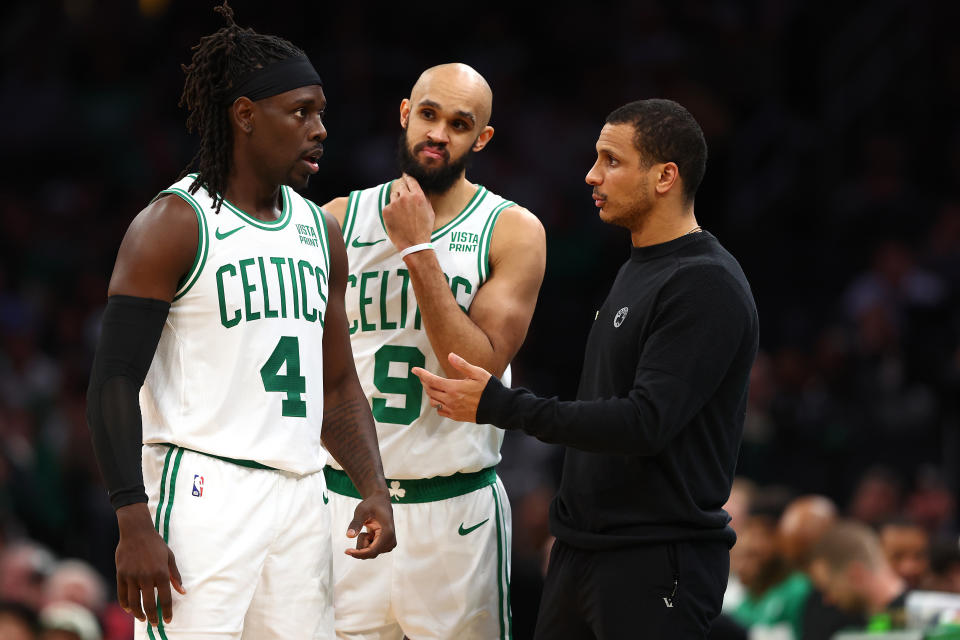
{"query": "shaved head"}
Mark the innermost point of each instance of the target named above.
(803, 523)
(471, 88)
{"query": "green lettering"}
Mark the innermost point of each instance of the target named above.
(384, 323)
(267, 311)
(296, 299)
(364, 301)
(248, 289)
(352, 281)
(403, 273)
(283, 294)
(311, 315)
(232, 322)
(319, 272)
(467, 288)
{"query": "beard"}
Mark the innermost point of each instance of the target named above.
(432, 180)
(632, 214)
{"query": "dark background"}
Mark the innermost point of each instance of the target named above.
(833, 178)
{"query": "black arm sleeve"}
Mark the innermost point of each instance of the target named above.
(128, 340)
(698, 330)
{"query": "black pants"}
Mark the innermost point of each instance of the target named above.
(670, 590)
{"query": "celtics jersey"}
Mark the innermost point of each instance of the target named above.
(389, 339)
(238, 372)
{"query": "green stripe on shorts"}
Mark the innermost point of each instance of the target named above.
(163, 489)
(173, 491)
(166, 521)
(503, 576)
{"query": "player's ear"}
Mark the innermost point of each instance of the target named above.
(241, 114)
(404, 112)
(667, 177)
(483, 138)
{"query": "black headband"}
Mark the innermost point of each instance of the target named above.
(275, 78)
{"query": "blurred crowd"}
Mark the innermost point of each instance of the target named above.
(804, 569)
(44, 598)
(833, 173)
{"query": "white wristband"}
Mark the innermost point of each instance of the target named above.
(415, 248)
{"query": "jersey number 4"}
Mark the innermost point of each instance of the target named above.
(292, 383)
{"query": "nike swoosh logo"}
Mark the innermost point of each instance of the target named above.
(221, 236)
(358, 244)
(325, 498)
(464, 532)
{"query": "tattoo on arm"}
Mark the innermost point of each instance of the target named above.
(351, 438)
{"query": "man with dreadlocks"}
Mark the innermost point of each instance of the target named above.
(437, 264)
(227, 305)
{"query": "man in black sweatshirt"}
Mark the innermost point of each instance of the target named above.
(643, 543)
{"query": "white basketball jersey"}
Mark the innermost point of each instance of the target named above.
(388, 336)
(238, 372)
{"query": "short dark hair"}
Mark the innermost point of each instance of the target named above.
(219, 62)
(666, 132)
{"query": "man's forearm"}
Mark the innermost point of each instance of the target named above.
(448, 327)
(131, 331)
(349, 434)
(636, 424)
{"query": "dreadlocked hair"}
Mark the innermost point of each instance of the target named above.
(219, 61)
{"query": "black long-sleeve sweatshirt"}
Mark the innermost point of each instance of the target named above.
(653, 437)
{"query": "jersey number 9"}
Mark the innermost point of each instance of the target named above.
(408, 386)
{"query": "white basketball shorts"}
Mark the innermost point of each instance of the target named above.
(448, 577)
(252, 546)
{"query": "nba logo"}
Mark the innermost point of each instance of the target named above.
(198, 486)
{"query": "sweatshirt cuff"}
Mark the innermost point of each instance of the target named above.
(493, 403)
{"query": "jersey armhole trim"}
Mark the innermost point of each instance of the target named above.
(350, 217)
(483, 255)
(203, 243)
(176, 185)
(383, 199)
(470, 207)
(321, 222)
(503, 569)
